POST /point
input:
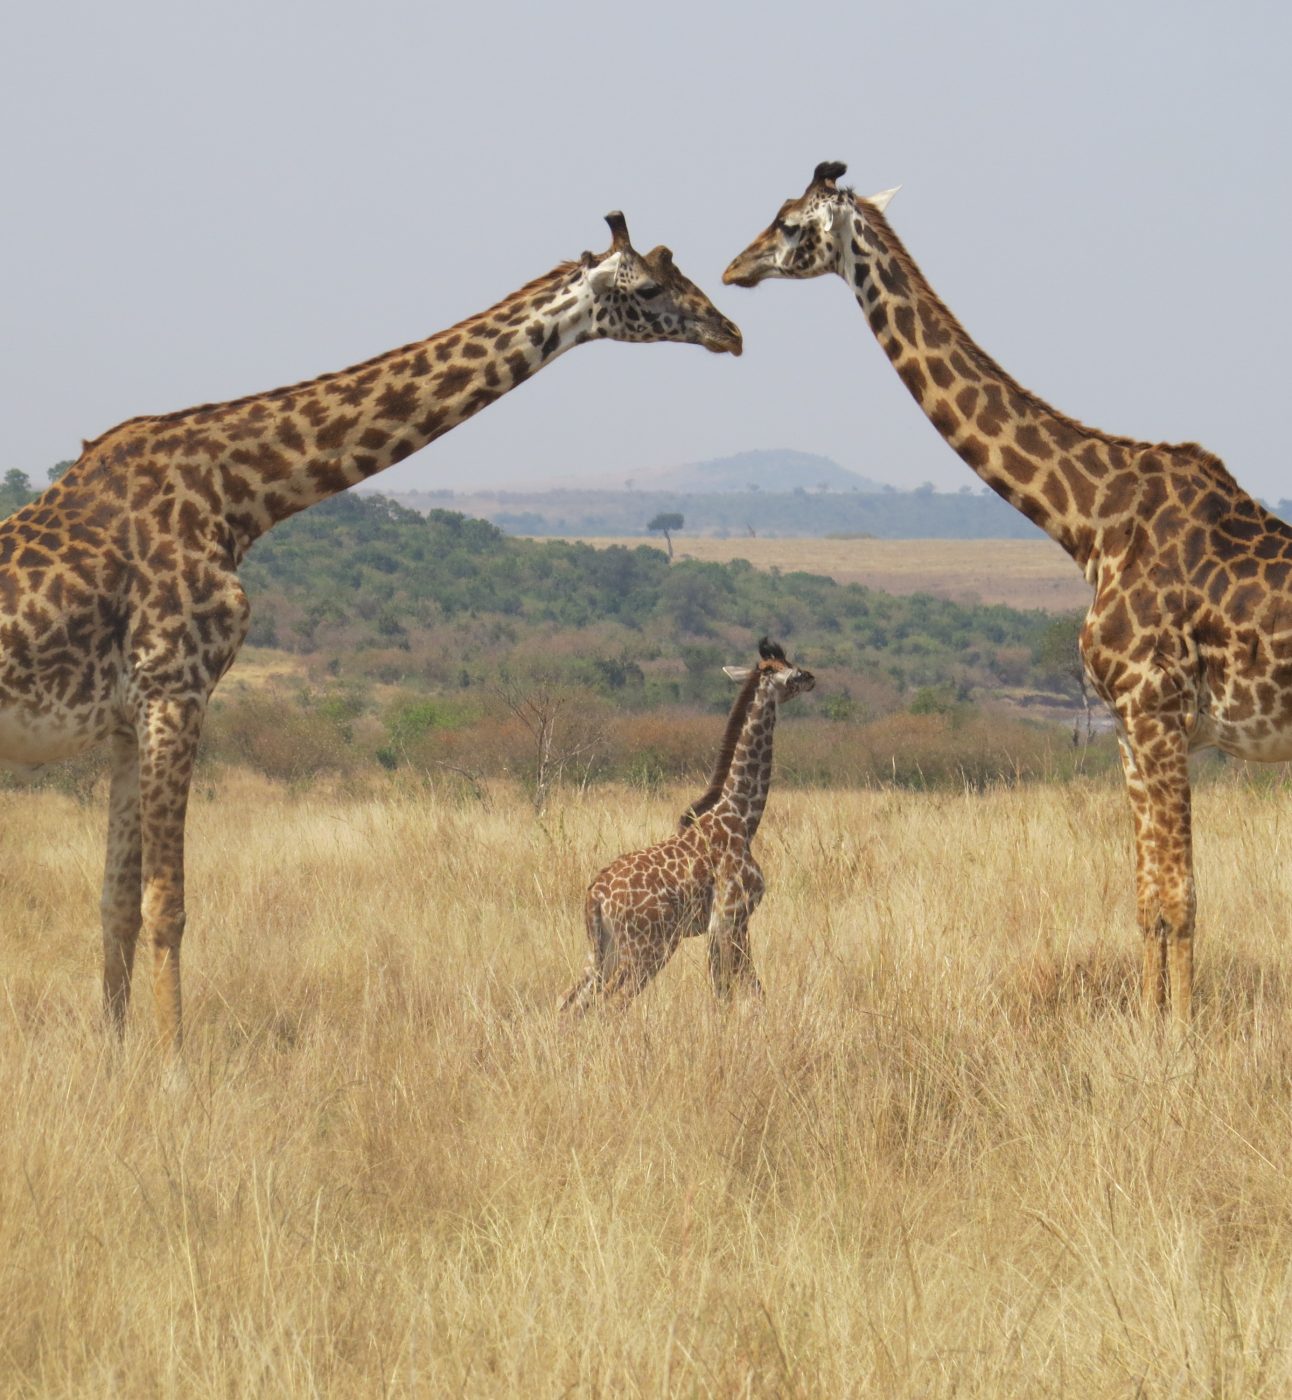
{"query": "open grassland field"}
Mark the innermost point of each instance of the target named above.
(942, 1158)
(1018, 573)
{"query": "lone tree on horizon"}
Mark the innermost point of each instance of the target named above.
(668, 521)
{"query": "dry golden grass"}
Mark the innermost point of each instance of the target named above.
(1020, 573)
(943, 1157)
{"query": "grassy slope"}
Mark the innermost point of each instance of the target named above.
(1017, 573)
(943, 1158)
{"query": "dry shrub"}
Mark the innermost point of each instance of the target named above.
(80, 778)
(657, 747)
(930, 751)
(495, 745)
(280, 738)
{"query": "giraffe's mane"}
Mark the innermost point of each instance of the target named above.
(1192, 452)
(178, 415)
(735, 722)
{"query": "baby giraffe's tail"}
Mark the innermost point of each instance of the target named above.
(580, 996)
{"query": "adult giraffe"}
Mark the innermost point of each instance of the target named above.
(1189, 634)
(120, 605)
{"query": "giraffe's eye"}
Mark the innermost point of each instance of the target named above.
(649, 290)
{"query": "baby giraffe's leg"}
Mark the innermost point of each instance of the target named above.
(644, 948)
(730, 961)
(734, 901)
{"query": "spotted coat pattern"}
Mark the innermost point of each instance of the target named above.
(704, 879)
(120, 605)
(1189, 633)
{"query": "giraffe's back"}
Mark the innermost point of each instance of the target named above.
(666, 886)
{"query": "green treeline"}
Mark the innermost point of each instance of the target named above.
(388, 593)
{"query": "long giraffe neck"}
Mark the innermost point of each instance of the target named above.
(1043, 463)
(268, 456)
(749, 774)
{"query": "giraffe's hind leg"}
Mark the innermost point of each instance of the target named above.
(639, 960)
(120, 905)
(626, 954)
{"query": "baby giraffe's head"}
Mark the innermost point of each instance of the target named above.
(782, 677)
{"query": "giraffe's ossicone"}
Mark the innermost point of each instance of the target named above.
(1189, 634)
(704, 879)
(120, 605)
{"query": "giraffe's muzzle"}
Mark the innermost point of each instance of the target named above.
(744, 270)
(723, 337)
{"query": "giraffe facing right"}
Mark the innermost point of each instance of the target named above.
(705, 877)
(120, 603)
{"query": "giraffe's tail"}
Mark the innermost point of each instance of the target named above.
(600, 958)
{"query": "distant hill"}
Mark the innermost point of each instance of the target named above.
(886, 514)
(766, 491)
(760, 469)
(765, 469)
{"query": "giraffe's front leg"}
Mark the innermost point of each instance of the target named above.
(120, 905)
(1155, 760)
(730, 961)
(167, 749)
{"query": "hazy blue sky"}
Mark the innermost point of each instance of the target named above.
(206, 201)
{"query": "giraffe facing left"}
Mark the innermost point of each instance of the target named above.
(120, 604)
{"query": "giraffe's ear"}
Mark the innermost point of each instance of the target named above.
(738, 673)
(602, 276)
(881, 200)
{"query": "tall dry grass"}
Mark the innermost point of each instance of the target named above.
(943, 1157)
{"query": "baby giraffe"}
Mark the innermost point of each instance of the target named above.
(705, 877)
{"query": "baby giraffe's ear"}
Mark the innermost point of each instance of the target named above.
(738, 673)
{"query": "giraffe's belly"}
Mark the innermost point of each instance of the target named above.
(1259, 740)
(59, 685)
(31, 740)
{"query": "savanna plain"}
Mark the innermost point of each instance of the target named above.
(1019, 573)
(943, 1156)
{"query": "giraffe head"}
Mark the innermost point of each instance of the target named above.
(780, 677)
(808, 235)
(644, 296)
